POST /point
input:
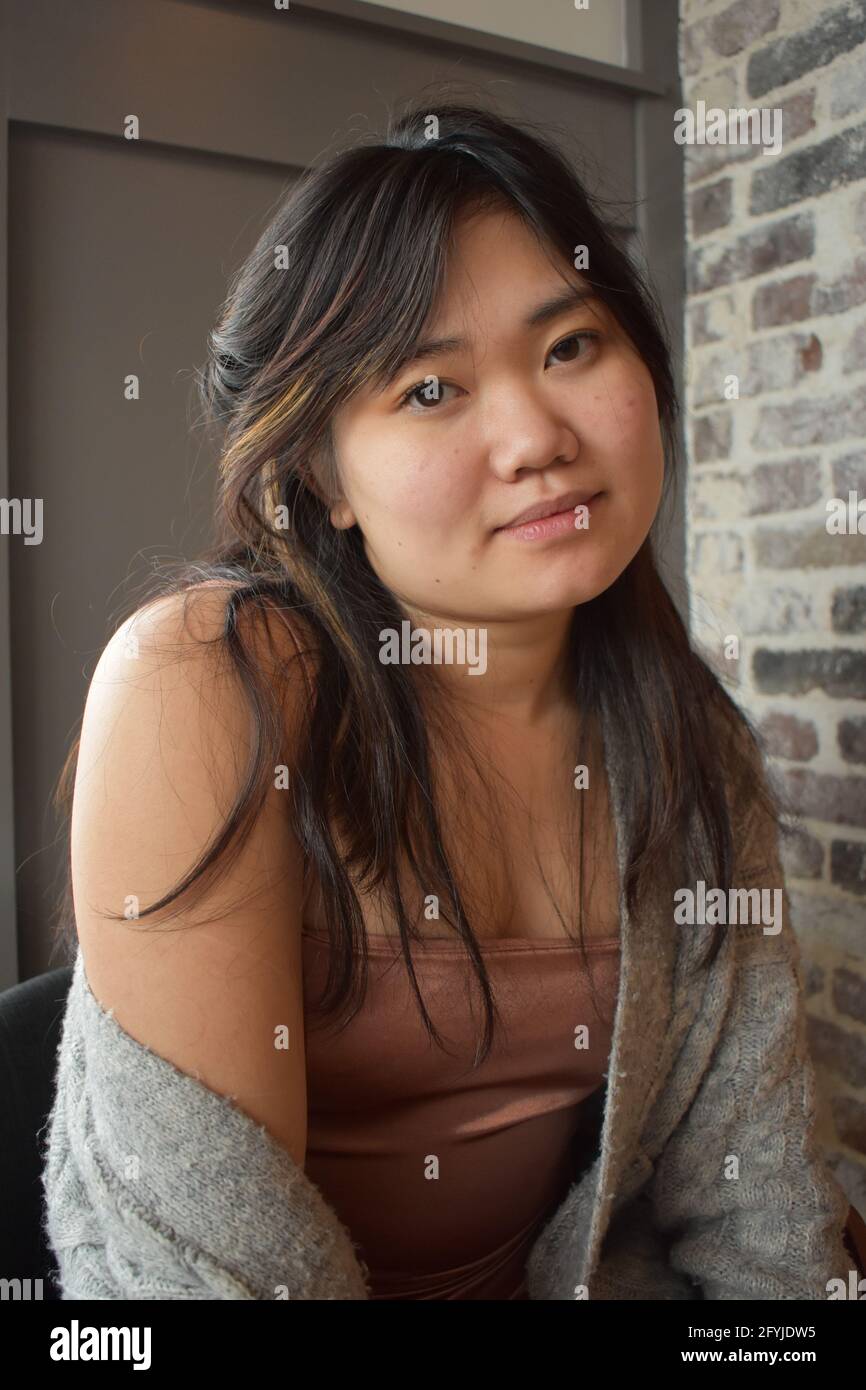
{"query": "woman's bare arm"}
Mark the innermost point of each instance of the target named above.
(163, 743)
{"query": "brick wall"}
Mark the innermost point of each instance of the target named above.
(776, 404)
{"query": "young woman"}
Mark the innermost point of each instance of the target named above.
(378, 899)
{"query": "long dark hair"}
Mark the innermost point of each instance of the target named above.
(336, 291)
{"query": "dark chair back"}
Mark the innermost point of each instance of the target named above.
(31, 1016)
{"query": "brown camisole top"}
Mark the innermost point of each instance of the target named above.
(444, 1173)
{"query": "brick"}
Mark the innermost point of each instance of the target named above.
(692, 9)
(798, 116)
(717, 86)
(845, 292)
(841, 1052)
(849, 609)
(776, 610)
(805, 296)
(729, 495)
(801, 854)
(839, 30)
(726, 34)
(851, 737)
(824, 796)
(712, 319)
(832, 920)
(848, 91)
(837, 671)
(814, 420)
(813, 979)
(854, 352)
(694, 39)
(809, 172)
(710, 207)
(849, 988)
(783, 301)
(706, 161)
(771, 364)
(716, 496)
(710, 380)
(809, 546)
(848, 869)
(810, 353)
(789, 737)
(712, 436)
(849, 1117)
(716, 553)
(780, 362)
(785, 486)
(849, 474)
(755, 252)
(740, 25)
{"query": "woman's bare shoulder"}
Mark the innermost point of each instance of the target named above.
(201, 614)
(165, 739)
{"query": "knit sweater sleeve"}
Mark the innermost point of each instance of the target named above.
(742, 1188)
(158, 1188)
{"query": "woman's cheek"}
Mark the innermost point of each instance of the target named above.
(437, 498)
(414, 527)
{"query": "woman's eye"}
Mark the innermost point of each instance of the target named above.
(426, 394)
(575, 338)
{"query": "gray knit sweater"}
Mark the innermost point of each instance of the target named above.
(158, 1188)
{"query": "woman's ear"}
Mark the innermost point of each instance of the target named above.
(322, 480)
(342, 516)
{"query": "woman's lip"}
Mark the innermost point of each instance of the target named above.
(559, 524)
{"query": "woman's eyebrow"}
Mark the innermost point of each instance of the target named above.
(570, 298)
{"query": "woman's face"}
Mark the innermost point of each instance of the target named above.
(520, 413)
